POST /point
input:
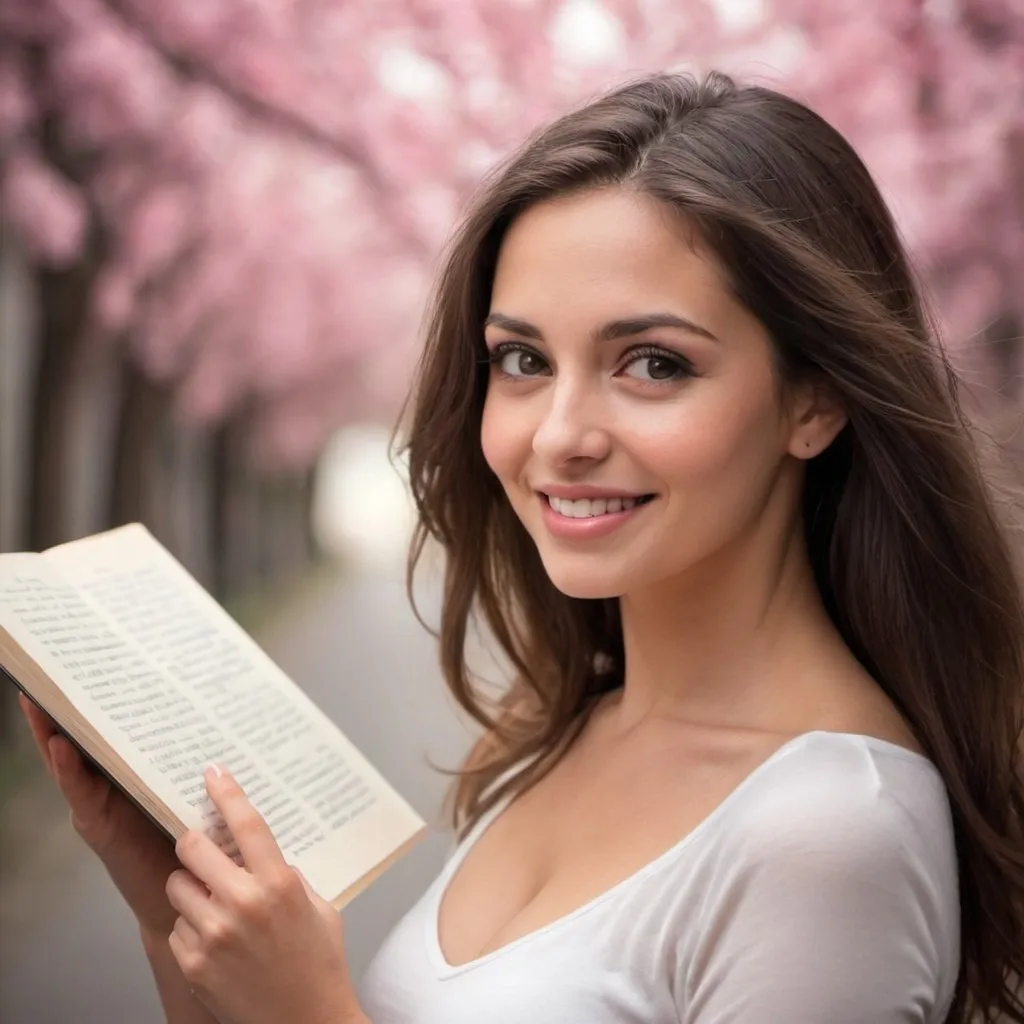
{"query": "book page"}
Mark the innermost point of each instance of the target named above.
(320, 796)
(140, 711)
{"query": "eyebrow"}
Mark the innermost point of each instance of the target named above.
(611, 331)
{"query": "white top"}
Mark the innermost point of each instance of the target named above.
(823, 889)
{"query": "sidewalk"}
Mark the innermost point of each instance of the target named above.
(68, 949)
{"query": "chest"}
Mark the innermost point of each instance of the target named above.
(602, 967)
(581, 832)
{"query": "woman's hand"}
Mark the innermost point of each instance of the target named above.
(256, 944)
(137, 856)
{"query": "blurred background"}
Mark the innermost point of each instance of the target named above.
(219, 220)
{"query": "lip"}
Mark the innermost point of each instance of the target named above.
(591, 528)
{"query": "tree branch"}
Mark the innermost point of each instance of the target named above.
(193, 69)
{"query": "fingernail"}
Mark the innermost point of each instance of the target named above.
(215, 770)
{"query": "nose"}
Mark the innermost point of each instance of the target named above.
(573, 428)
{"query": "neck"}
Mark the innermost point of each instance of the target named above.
(727, 643)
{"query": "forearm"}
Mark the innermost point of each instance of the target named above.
(179, 1003)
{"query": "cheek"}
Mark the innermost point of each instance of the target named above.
(714, 451)
(504, 438)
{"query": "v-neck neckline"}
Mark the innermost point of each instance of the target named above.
(446, 969)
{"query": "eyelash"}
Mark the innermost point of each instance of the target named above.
(631, 356)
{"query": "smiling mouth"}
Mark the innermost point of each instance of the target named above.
(590, 508)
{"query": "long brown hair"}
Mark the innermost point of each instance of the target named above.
(900, 522)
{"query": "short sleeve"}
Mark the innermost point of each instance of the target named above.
(826, 910)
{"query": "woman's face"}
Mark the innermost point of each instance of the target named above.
(632, 413)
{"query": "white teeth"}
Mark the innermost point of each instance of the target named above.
(587, 508)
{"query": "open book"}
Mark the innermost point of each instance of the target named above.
(144, 671)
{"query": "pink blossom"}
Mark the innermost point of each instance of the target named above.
(47, 210)
(17, 107)
(113, 300)
(276, 179)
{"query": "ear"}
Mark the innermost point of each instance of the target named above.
(817, 416)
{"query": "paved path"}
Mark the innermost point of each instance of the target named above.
(68, 949)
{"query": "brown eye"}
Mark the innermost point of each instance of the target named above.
(656, 367)
(519, 361)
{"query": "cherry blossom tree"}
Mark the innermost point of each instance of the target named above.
(931, 92)
(231, 194)
(245, 198)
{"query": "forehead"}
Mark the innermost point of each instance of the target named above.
(612, 250)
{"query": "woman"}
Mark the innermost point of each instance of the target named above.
(683, 433)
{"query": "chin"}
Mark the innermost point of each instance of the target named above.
(591, 582)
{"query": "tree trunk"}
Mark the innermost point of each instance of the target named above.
(8, 697)
(220, 467)
(63, 303)
(308, 496)
(8, 472)
(260, 497)
(143, 406)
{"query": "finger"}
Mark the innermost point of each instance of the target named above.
(211, 865)
(251, 833)
(189, 897)
(41, 727)
(186, 944)
(85, 792)
(186, 934)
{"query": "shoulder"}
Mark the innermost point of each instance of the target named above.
(834, 882)
(840, 793)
